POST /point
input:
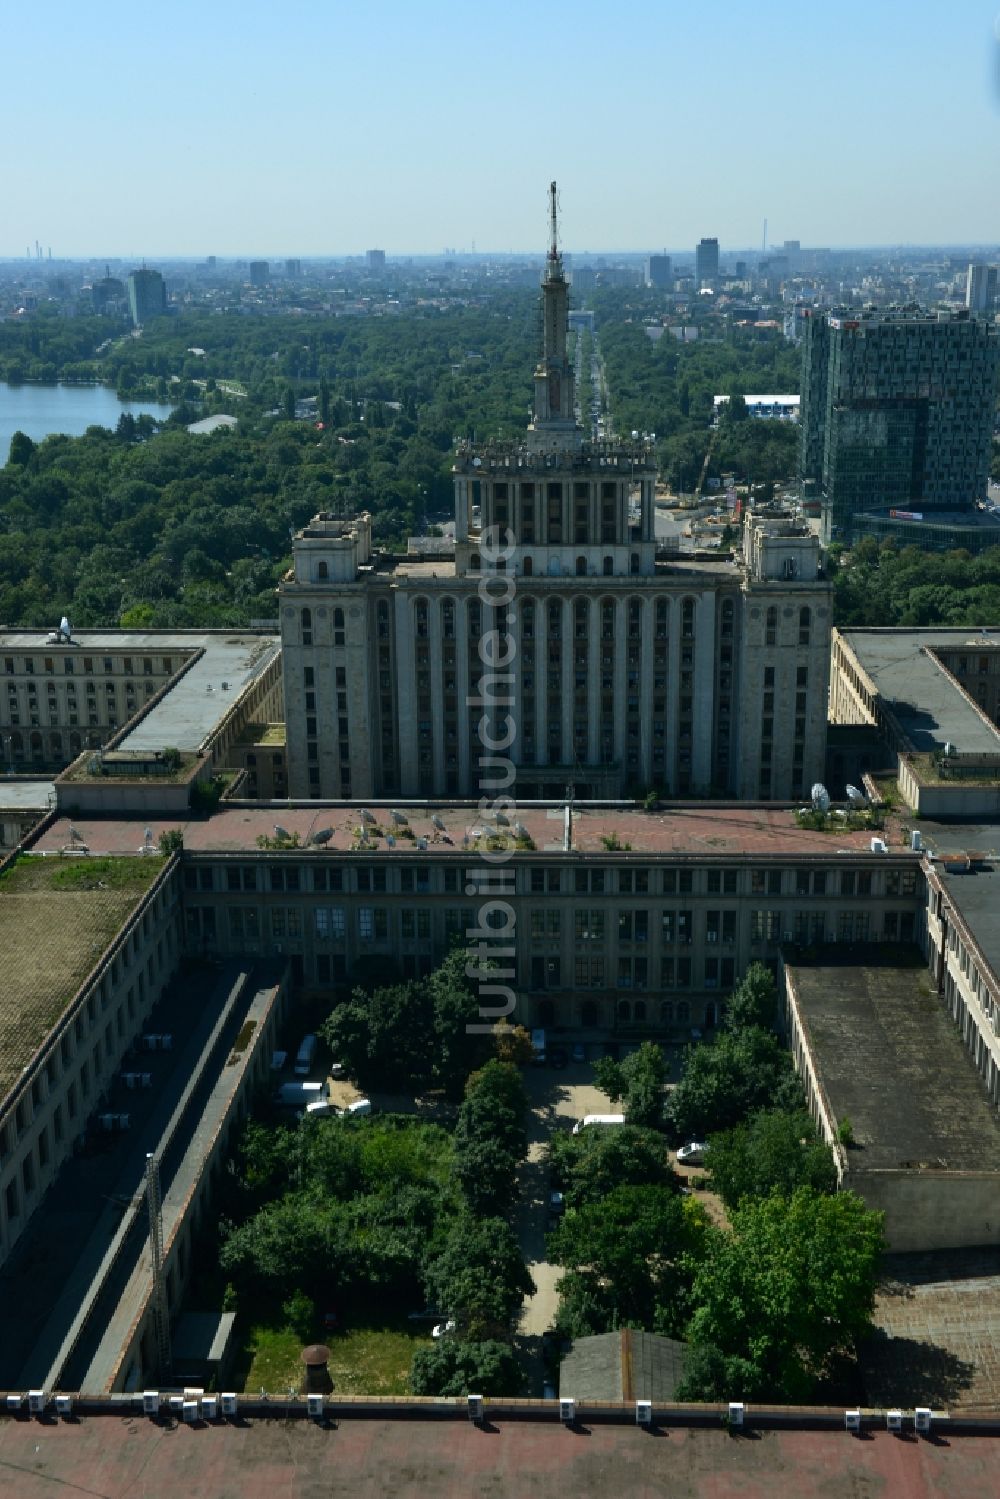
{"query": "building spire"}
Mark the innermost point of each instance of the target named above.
(553, 224)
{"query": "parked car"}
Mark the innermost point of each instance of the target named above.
(692, 1154)
(440, 1328)
(558, 1057)
(579, 1052)
(557, 1203)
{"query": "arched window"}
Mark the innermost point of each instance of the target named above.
(420, 615)
(526, 567)
(683, 1011)
(589, 1014)
(624, 1010)
(474, 562)
(667, 1012)
(640, 1010)
(633, 563)
(634, 618)
(55, 745)
(771, 626)
(75, 745)
(382, 618)
(661, 619)
(687, 619)
(322, 570)
(805, 625)
(609, 567)
(581, 614)
(528, 622)
(581, 567)
(607, 619)
(555, 620)
(448, 620)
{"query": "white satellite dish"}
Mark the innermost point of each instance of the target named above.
(438, 822)
(520, 830)
(399, 818)
(820, 797)
(366, 816)
(855, 797)
(64, 628)
(280, 832)
(322, 835)
(502, 820)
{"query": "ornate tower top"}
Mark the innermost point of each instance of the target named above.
(554, 424)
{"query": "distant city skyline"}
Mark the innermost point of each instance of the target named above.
(206, 133)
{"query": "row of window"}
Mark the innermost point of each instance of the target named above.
(634, 929)
(109, 665)
(322, 876)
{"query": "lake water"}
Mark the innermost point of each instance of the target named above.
(40, 410)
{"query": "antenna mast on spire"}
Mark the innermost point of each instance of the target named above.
(553, 224)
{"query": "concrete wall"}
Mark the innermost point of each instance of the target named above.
(198, 1175)
(933, 1209)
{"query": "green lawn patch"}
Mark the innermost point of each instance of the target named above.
(363, 1360)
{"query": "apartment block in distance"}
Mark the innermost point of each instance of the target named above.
(628, 670)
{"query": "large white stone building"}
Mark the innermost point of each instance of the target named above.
(627, 670)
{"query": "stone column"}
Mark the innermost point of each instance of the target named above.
(406, 696)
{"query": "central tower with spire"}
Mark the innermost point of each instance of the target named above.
(554, 424)
(570, 505)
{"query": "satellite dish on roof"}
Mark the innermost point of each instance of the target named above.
(820, 797)
(280, 832)
(400, 818)
(64, 629)
(366, 816)
(438, 822)
(390, 840)
(855, 797)
(322, 835)
(477, 463)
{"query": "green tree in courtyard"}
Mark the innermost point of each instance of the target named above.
(788, 1289)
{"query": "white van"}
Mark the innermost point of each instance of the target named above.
(299, 1095)
(588, 1119)
(305, 1056)
(358, 1109)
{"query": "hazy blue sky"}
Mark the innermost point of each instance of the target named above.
(314, 127)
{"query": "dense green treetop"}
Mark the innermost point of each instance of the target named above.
(789, 1287)
(773, 1150)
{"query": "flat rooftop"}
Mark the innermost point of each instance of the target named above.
(925, 699)
(26, 796)
(699, 570)
(892, 1062)
(265, 1459)
(188, 714)
(707, 832)
(56, 919)
(976, 895)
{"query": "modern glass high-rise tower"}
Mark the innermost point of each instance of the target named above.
(897, 415)
(147, 296)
